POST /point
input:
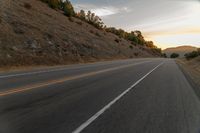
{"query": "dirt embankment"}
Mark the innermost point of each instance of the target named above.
(192, 69)
(31, 33)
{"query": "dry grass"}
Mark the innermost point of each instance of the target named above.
(192, 67)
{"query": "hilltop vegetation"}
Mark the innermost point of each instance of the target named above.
(31, 33)
(174, 55)
(181, 50)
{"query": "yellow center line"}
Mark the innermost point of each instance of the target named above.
(52, 82)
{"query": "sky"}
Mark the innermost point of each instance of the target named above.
(169, 23)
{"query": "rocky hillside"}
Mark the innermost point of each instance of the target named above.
(31, 33)
(182, 50)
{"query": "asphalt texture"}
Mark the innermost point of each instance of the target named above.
(126, 96)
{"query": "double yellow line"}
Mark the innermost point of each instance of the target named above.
(52, 82)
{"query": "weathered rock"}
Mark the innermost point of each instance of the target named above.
(14, 48)
(32, 44)
(8, 56)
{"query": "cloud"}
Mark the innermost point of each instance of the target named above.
(105, 11)
(102, 10)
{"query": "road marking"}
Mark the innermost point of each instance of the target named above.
(99, 113)
(32, 73)
(48, 83)
(43, 71)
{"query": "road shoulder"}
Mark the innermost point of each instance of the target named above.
(191, 73)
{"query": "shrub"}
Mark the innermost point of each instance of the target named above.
(131, 47)
(68, 9)
(53, 3)
(94, 20)
(65, 6)
(192, 55)
(81, 15)
(90, 18)
(174, 55)
(117, 40)
(27, 6)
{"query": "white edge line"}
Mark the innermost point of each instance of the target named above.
(44, 71)
(94, 117)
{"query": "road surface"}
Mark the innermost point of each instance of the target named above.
(127, 96)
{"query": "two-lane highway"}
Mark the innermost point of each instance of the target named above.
(127, 96)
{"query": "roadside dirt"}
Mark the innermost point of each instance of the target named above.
(192, 69)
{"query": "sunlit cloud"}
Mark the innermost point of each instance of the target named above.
(105, 11)
(102, 10)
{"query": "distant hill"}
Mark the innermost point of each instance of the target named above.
(32, 33)
(181, 50)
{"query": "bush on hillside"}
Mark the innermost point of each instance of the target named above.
(192, 55)
(135, 37)
(131, 47)
(150, 44)
(27, 6)
(65, 6)
(90, 18)
(54, 4)
(68, 8)
(174, 55)
(81, 15)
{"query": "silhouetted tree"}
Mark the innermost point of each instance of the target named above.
(174, 55)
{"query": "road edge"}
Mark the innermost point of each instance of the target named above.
(188, 76)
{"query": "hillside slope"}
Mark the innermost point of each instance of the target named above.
(182, 50)
(31, 33)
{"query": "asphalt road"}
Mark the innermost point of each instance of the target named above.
(127, 96)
